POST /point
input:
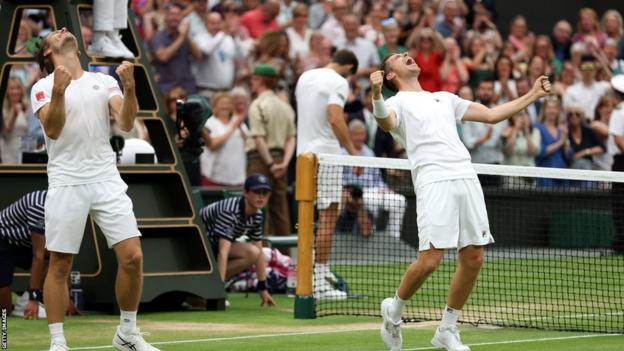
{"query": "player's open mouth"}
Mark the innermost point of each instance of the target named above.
(410, 61)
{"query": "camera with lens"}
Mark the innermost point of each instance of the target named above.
(191, 115)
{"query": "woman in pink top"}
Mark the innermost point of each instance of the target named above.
(589, 29)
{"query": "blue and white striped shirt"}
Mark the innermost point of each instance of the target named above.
(23, 217)
(226, 219)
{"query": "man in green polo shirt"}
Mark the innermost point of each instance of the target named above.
(271, 144)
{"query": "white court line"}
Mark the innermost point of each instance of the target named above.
(524, 341)
(190, 341)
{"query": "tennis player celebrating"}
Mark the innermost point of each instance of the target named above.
(75, 108)
(451, 208)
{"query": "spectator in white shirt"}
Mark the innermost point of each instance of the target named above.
(364, 50)
(332, 28)
(587, 92)
(299, 34)
(216, 70)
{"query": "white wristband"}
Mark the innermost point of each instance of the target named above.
(379, 109)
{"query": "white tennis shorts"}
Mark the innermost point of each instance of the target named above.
(328, 186)
(452, 214)
(67, 207)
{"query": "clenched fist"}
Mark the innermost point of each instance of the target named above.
(62, 78)
(541, 87)
(376, 79)
(125, 71)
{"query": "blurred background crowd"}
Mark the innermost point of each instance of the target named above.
(211, 47)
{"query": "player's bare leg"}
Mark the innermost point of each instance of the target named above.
(56, 296)
(324, 235)
(128, 287)
(414, 277)
(470, 263)
(241, 257)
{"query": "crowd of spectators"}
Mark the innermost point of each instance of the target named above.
(211, 48)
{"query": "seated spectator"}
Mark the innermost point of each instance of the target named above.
(274, 49)
(15, 110)
(521, 38)
(505, 84)
(377, 196)
(319, 55)
(555, 145)
(391, 32)
(584, 143)
(262, 18)
(417, 16)
(450, 26)
(172, 48)
(299, 34)
(354, 218)
(332, 28)
(613, 26)
(587, 92)
(588, 30)
(228, 220)
(544, 49)
(372, 29)
(486, 29)
(565, 79)
(561, 40)
(24, 33)
(223, 161)
(427, 49)
(609, 56)
(482, 140)
(216, 70)
(241, 99)
(453, 72)
(600, 126)
(479, 60)
(22, 244)
(319, 13)
(521, 142)
(364, 50)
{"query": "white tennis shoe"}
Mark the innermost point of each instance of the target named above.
(131, 342)
(390, 330)
(324, 291)
(448, 338)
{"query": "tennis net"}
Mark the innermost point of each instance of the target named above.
(552, 266)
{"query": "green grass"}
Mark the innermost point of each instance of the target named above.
(245, 326)
(579, 293)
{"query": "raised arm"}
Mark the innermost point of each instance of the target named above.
(386, 119)
(479, 113)
(52, 115)
(124, 110)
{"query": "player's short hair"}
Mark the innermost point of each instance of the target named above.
(346, 57)
(485, 80)
(385, 67)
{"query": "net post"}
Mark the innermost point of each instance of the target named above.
(305, 194)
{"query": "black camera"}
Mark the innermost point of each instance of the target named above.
(191, 115)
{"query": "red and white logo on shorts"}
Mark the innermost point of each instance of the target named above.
(40, 95)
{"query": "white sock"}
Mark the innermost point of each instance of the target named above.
(127, 323)
(113, 33)
(396, 308)
(449, 317)
(56, 333)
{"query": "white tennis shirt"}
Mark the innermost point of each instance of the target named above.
(316, 89)
(82, 153)
(426, 126)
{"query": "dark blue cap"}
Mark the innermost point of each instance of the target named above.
(257, 181)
